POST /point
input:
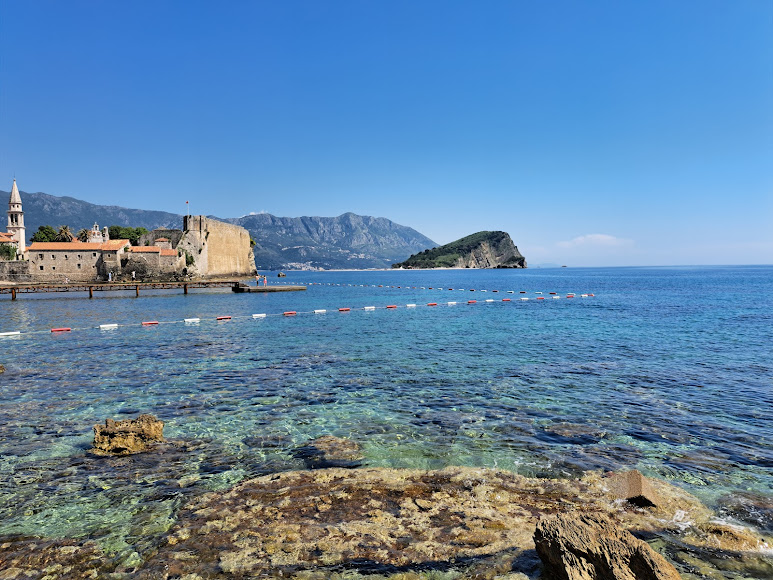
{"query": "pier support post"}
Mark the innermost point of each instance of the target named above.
(13, 293)
(91, 292)
(137, 290)
(185, 288)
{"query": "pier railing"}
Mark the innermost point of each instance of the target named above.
(91, 287)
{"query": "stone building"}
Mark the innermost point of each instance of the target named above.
(16, 235)
(75, 261)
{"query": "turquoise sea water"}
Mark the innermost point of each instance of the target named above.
(668, 370)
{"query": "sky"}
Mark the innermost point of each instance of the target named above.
(597, 133)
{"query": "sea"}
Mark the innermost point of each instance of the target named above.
(548, 373)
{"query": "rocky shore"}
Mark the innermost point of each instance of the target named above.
(338, 519)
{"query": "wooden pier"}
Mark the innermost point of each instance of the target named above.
(91, 287)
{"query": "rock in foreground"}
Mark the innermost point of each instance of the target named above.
(592, 547)
(380, 518)
(128, 436)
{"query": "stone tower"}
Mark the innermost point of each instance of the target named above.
(16, 219)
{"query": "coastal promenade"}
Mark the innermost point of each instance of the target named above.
(91, 287)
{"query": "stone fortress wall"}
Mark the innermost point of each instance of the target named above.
(15, 271)
(217, 248)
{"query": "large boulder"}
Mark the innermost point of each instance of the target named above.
(633, 487)
(127, 436)
(592, 547)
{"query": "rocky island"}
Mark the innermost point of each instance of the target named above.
(480, 250)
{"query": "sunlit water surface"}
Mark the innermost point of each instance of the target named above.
(668, 370)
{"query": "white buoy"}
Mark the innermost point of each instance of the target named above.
(258, 315)
(452, 303)
(524, 298)
(108, 326)
(14, 333)
(320, 311)
(192, 320)
(369, 308)
(410, 306)
(510, 292)
(556, 297)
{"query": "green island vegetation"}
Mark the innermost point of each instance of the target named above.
(447, 256)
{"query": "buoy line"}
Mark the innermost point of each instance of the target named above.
(227, 318)
(443, 288)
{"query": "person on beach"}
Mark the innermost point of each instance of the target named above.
(265, 281)
(134, 277)
(257, 280)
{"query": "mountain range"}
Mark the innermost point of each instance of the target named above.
(347, 241)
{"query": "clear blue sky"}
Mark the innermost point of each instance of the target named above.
(595, 133)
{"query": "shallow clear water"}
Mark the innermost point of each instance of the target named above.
(668, 370)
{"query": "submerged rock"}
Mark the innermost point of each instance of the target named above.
(2, 369)
(35, 558)
(127, 436)
(329, 451)
(749, 507)
(592, 547)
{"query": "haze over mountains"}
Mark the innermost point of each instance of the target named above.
(346, 241)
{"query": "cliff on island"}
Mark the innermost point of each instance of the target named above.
(481, 250)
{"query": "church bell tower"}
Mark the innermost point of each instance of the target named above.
(16, 219)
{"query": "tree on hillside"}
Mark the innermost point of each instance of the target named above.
(83, 235)
(44, 234)
(64, 235)
(122, 233)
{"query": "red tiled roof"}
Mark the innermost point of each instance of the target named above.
(115, 244)
(77, 246)
(162, 239)
(145, 249)
(62, 246)
(166, 252)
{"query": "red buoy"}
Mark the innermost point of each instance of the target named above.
(505, 300)
(150, 322)
(290, 313)
(472, 301)
(224, 318)
(431, 303)
(63, 329)
(392, 306)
